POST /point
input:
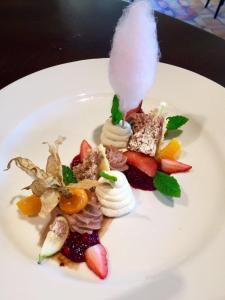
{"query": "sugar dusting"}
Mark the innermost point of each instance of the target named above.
(134, 54)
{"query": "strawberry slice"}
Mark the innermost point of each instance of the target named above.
(145, 163)
(137, 109)
(173, 166)
(96, 260)
(84, 149)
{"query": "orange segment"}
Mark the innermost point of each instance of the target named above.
(171, 151)
(29, 206)
(75, 203)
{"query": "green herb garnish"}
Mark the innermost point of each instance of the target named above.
(41, 258)
(117, 115)
(176, 122)
(167, 185)
(68, 176)
(108, 177)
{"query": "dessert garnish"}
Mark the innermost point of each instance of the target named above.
(176, 122)
(77, 243)
(116, 197)
(117, 115)
(55, 238)
(134, 55)
(108, 177)
(133, 153)
(96, 259)
(68, 176)
(166, 184)
(116, 135)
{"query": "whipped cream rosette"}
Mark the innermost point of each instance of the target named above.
(116, 135)
(116, 198)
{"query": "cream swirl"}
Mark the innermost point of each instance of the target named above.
(116, 135)
(117, 198)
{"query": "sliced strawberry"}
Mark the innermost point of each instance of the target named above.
(137, 109)
(173, 166)
(84, 149)
(96, 260)
(145, 163)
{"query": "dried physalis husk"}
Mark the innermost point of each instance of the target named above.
(49, 200)
(48, 185)
(38, 187)
(54, 166)
(85, 184)
(29, 167)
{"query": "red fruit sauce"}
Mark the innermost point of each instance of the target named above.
(76, 244)
(76, 160)
(138, 179)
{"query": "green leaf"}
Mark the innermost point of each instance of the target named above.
(176, 122)
(167, 185)
(117, 115)
(40, 259)
(108, 177)
(68, 176)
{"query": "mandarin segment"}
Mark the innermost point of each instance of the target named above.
(75, 203)
(29, 206)
(171, 151)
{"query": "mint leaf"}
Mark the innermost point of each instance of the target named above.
(167, 185)
(117, 115)
(68, 176)
(176, 122)
(108, 177)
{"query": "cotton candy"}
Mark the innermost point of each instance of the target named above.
(134, 54)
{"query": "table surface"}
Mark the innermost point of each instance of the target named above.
(39, 34)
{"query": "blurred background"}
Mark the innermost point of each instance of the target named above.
(195, 13)
(38, 34)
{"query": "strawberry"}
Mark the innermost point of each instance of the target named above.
(145, 163)
(137, 109)
(84, 149)
(96, 260)
(173, 166)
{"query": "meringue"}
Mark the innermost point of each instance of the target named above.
(116, 135)
(116, 198)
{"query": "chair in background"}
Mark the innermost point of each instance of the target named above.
(221, 2)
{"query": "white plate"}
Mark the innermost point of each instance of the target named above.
(163, 250)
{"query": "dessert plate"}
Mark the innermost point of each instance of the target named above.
(165, 249)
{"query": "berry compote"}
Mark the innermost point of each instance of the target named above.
(76, 244)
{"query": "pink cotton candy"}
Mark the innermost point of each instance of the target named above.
(134, 54)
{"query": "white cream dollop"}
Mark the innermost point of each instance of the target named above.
(116, 135)
(117, 198)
